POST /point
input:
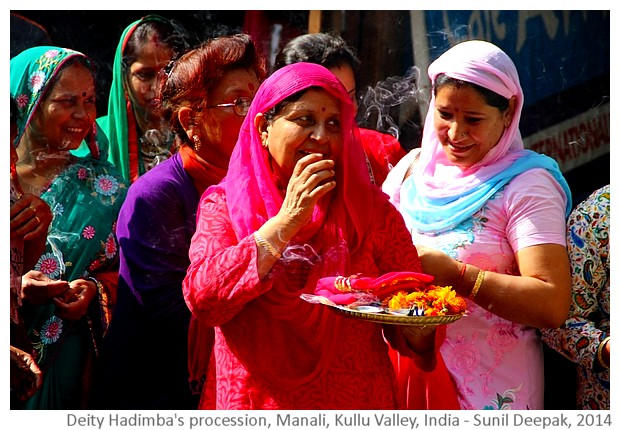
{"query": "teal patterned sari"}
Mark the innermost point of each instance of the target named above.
(85, 200)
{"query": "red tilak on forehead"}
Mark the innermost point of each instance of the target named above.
(251, 86)
(323, 109)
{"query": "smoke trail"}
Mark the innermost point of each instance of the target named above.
(396, 97)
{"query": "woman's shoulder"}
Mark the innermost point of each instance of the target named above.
(534, 190)
(534, 180)
(396, 176)
(167, 178)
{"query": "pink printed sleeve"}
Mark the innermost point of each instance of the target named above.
(222, 276)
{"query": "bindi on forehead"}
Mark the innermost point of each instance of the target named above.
(323, 109)
(251, 86)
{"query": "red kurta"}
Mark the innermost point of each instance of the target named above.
(274, 350)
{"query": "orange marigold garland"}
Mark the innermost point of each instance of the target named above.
(435, 301)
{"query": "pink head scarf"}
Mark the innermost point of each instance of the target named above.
(251, 191)
(439, 195)
(486, 65)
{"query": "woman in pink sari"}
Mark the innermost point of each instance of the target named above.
(297, 205)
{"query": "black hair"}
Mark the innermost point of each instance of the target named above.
(490, 97)
(187, 81)
(168, 33)
(274, 111)
(328, 50)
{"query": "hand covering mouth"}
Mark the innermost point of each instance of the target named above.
(305, 152)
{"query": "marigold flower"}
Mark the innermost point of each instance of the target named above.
(435, 301)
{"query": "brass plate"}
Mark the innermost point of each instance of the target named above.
(384, 318)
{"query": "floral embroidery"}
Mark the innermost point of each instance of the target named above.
(49, 265)
(37, 80)
(503, 401)
(51, 330)
(58, 210)
(88, 232)
(82, 173)
(106, 185)
(51, 58)
(22, 100)
(502, 337)
(463, 357)
(51, 54)
(49, 334)
(110, 246)
(97, 263)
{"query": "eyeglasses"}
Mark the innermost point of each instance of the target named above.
(240, 106)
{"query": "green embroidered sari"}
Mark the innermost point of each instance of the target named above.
(85, 200)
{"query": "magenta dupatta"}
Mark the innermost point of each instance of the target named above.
(251, 192)
(281, 339)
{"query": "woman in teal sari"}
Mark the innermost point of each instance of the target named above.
(67, 298)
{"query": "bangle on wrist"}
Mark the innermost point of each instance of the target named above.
(599, 353)
(477, 285)
(459, 280)
(265, 244)
(97, 283)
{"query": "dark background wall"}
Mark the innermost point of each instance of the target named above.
(383, 40)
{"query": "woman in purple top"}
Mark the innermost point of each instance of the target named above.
(204, 98)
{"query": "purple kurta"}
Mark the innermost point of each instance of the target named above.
(145, 356)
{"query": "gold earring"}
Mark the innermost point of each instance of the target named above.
(197, 142)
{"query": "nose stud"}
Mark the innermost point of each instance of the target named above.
(463, 134)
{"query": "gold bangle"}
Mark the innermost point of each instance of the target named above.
(599, 352)
(266, 245)
(343, 284)
(477, 285)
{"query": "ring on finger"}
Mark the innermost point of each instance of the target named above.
(33, 209)
(38, 220)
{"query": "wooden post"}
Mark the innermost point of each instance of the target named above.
(314, 21)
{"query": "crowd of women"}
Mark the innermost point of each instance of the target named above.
(159, 252)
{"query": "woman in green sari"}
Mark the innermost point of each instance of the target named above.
(137, 138)
(67, 298)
